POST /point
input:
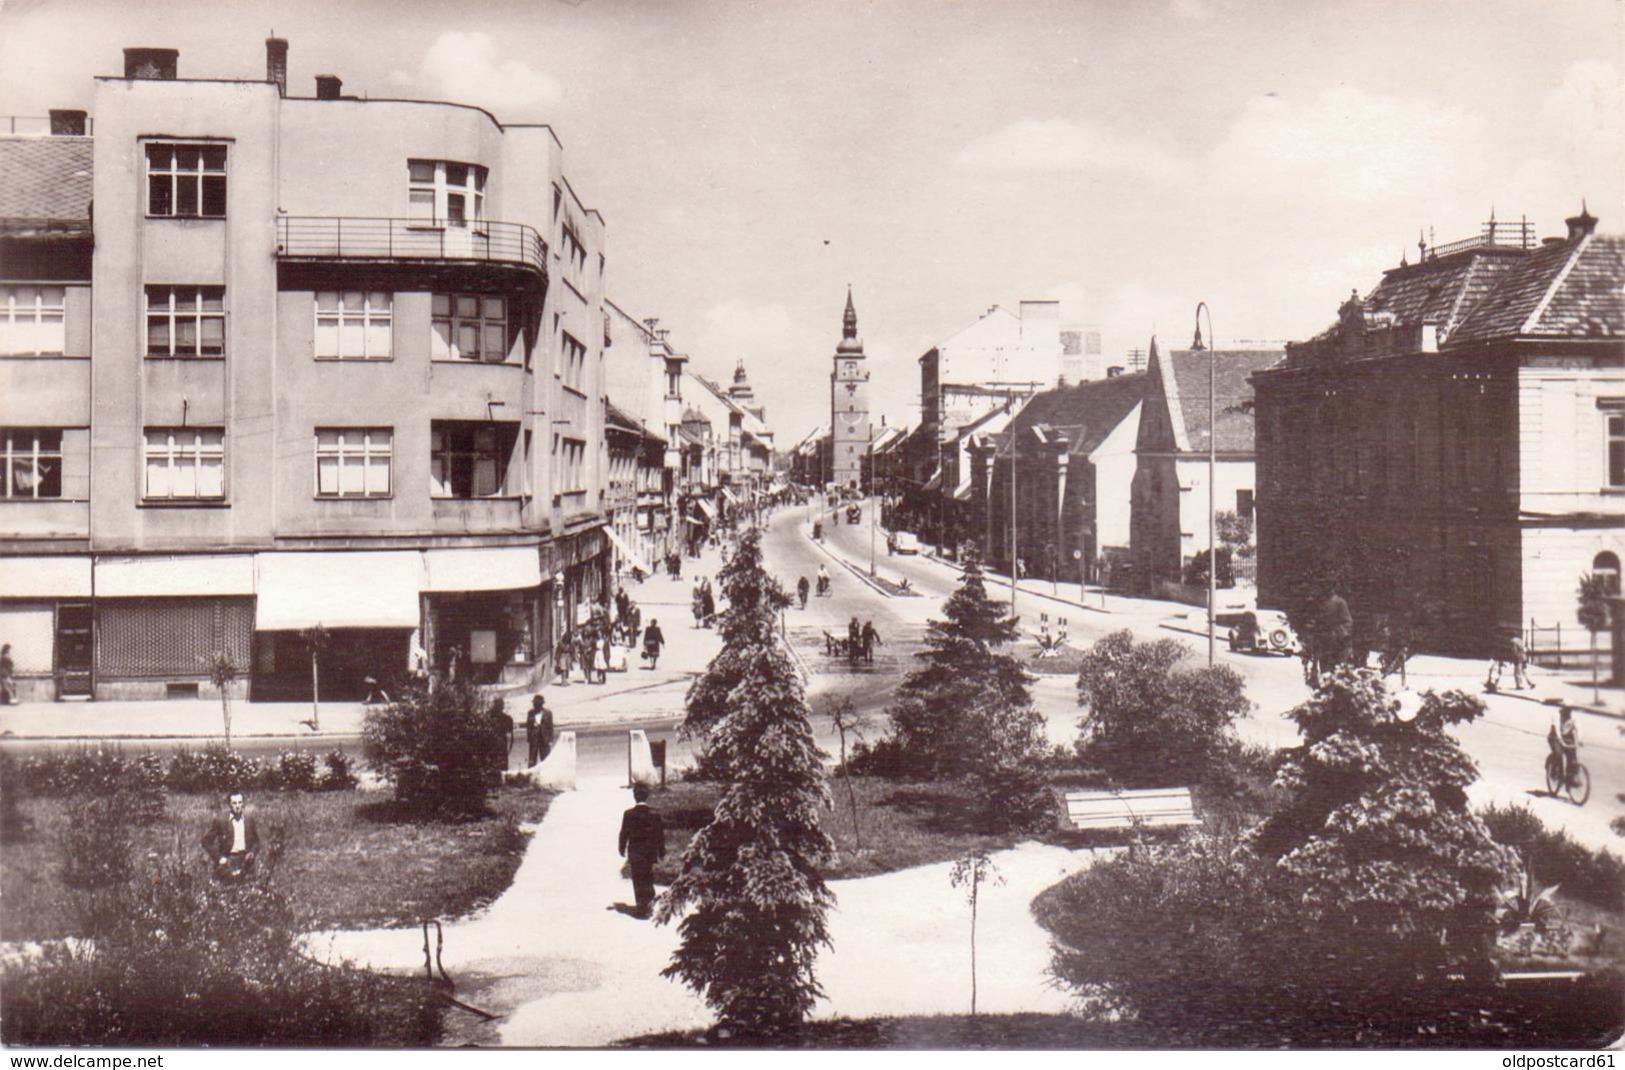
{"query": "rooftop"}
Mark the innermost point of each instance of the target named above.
(45, 184)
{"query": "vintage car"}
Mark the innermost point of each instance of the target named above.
(905, 542)
(1261, 631)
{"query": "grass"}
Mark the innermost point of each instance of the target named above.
(902, 824)
(350, 860)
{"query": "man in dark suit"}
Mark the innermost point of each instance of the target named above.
(539, 730)
(233, 841)
(642, 844)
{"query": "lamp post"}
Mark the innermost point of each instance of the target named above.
(874, 520)
(1212, 467)
(1010, 403)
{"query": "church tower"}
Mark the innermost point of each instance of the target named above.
(849, 405)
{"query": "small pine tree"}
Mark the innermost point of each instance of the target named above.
(751, 877)
(964, 671)
(1592, 611)
(747, 627)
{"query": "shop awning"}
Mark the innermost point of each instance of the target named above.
(622, 546)
(363, 589)
(182, 575)
(44, 577)
(706, 507)
(487, 568)
(726, 493)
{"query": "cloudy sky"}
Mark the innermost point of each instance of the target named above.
(1130, 158)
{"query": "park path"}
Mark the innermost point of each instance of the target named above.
(564, 970)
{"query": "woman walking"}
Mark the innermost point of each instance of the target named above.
(653, 640)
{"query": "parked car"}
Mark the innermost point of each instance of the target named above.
(1262, 631)
(906, 542)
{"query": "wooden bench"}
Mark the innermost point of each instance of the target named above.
(1149, 807)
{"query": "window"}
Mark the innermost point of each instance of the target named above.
(31, 321)
(442, 192)
(186, 463)
(573, 365)
(1605, 566)
(570, 470)
(1616, 446)
(33, 462)
(186, 180)
(1244, 502)
(470, 327)
(353, 462)
(353, 325)
(186, 321)
(470, 460)
(573, 249)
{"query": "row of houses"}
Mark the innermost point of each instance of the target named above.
(1449, 455)
(283, 372)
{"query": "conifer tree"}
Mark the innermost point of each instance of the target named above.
(756, 903)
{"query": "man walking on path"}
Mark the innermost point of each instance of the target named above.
(871, 639)
(642, 844)
(539, 730)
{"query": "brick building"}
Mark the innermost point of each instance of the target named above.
(1451, 452)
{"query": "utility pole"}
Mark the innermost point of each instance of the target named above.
(1010, 403)
(1212, 469)
(874, 521)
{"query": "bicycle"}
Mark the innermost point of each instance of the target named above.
(1578, 785)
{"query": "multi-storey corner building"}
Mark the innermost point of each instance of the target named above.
(1450, 454)
(342, 371)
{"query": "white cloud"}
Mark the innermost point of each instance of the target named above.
(1589, 104)
(465, 67)
(1346, 144)
(1065, 145)
(1191, 10)
(400, 78)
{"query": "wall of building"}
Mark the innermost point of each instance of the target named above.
(1114, 463)
(1561, 434)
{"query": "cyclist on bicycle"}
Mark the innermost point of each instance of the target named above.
(1564, 739)
(823, 581)
(801, 591)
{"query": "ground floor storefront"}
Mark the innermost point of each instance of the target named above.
(288, 625)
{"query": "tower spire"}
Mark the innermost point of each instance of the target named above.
(850, 343)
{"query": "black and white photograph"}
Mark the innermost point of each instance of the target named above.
(665, 526)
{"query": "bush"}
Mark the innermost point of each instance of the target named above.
(96, 844)
(436, 746)
(212, 769)
(1196, 570)
(178, 959)
(1596, 877)
(292, 771)
(340, 773)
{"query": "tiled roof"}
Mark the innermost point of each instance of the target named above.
(1438, 291)
(1234, 393)
(45, 180)
(1085, 413)
(1570, 289)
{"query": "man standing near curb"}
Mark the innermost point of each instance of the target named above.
(539, 730)
(642, 844)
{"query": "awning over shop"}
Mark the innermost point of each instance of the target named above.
(487, 568)
(363, 589)
(726, 493)
(182, 575)
(45, 577)
(706, 507)
(625, 549)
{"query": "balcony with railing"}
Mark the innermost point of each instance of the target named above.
(382, 239)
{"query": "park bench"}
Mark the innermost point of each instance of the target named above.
(1150, 807)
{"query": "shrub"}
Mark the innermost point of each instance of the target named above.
(212, 769)
(1153, 719)
(1196, 570)
(1597, 877)
(96, 844)
(340, 772)
(292, 771)
(179, 959)
(436, 747)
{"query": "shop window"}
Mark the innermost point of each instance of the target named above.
(470, 459)
(469, 327)
(353, 462)
(33, 462)
(185, 463)
(32, 321)
(186, 180)
(353, 325)
(442, 192)
(186, 321)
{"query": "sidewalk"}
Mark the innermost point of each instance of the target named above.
(637, 694)
(566, 971)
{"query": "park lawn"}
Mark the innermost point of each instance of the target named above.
(901, 824)
(350, 859)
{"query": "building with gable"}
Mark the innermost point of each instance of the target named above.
(1450, 454)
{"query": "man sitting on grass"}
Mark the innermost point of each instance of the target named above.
(233, 841)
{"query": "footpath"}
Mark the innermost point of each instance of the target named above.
(564, 969)
(634, 696)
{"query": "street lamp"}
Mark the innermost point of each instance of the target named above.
(1212, 467)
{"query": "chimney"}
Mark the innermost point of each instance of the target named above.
(276, 63)
(1581, 225)
(67, 123)
(328, 86)
(152, 64)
